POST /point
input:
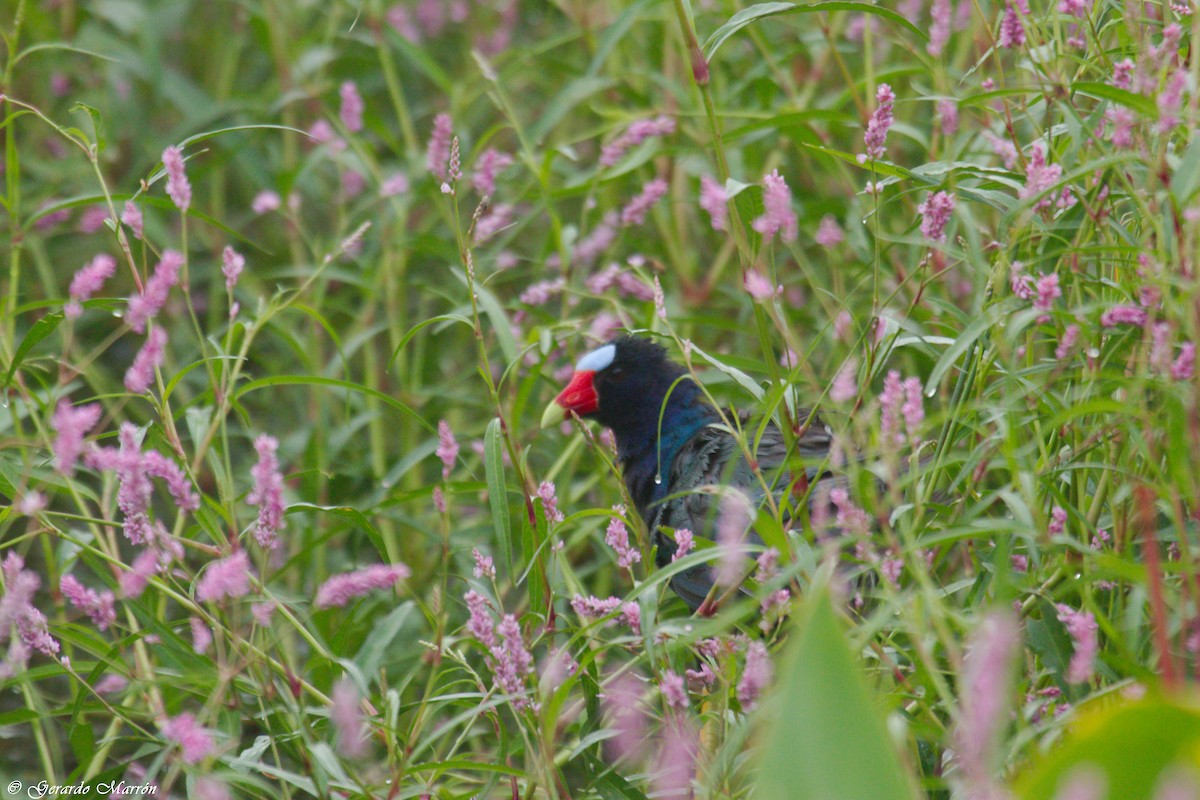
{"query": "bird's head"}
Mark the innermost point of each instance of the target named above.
(621, 381)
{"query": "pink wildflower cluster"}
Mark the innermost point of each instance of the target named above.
(177, 182)
(851, 518)
(1012, 32)
(540, 292)
(637, 132)
(777, 217)
(491, 162)
(87, 281)
(1040, 178)
(733, 518)
(131, 216)
(714, 201)
(901, 401)
(684, 542)
(773, 603)
(939, 27)
(935, 213)
(97, 605)
(71, 424)
(229, 577)
(589, 248)
(634, 212)
(232, 264)
(267, 493)
(845, 384)
(986, 691)
(1123, 315)
(437, 155)
(140, 375)
(145, 306)
(342, 588)
(351, 111)
(617, 537)
(1083, 629)
(16, 608)
(829, 233)
(592, 607)
(447, 449)
(195, 741)
(549, 498)
(134, 470)
(508, 658)
(347, 718)
(484, 566)
(756, 675)
(881, 121)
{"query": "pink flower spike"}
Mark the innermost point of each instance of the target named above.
(1123, 315)
(145, 306)
(201, 635)
(351, 111)
(484, 566)
(549, 498)
(986, 696)
(758, 286)
(511, 662)
(177, 182)
(97, 605)
(491, 162)
(346, 716)
(267, 493)
(229, 577)
(178, 484)
(829, 233)
(635, 134)
(714, 200)
(342, 588)
(1083, 629)
(72, 424)
(437, 155)
(756, 675)
(132, 216)
(263, 612)
(939, 27)
(1012, 32)
(265, 201)
(480, 622)
(394, 184)
(1040, 177)
(140, 375)
(634, 212)
(617, 537)
(1069, 337)
(935, 213)
(88, 280)
(778, 216)
(673, 690)
(197, 744)
(845, 384)
(232, 264)
(621, 702)
(447, 449)
(133, 583)
(733, 518)
(1184, 366)
(684, 542)
(881, 121)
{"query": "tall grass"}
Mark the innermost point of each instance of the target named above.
(989, 296)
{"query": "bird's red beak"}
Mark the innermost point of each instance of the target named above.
(579, 397)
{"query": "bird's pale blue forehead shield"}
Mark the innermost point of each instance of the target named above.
(580, 396)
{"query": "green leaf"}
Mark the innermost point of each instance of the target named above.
(97, 124)
(763, 10)
(493, 465)
(383, 632)
(825, 737)
(1137, 102)
(1134, 746)
(40, 330)
(963, 343)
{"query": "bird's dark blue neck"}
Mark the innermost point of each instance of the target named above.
(647, 450)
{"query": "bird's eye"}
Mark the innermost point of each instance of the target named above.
(616, 374)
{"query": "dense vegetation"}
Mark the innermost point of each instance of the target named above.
(288, 285)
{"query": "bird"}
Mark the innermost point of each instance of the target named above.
(671, 466)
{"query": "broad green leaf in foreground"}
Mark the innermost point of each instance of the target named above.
(825, 738)
(1134, 748)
